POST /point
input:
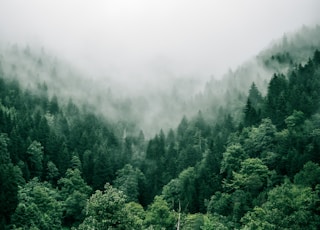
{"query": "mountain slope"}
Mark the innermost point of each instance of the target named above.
(235, 166)
(165, 102)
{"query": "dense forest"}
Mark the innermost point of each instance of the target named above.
(63, 166)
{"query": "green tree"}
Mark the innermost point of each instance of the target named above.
(5, 155)
(232, 158)
(154, 167)
(252, 111)
(276, 106)
(159, 216)
(74, 192)
(129, 180)
(35, 159)
(52, 172)
(252, 177)
(53, 105)
(261, 139)
(10, 178)
(193, 222)
(288, 207)
(106, 210)
(182, 190)
(171, 157)
(136, 213)
(245, 188)
(294, 120)
(251, 117)
(75, 162)
(220, 203)
(216, 222)
(102, 169)
(255, 97)
(42, 131)
(182, 128)
(39, 207)
(172, 193)
(88, 165)
(304, 83)
(309, 176)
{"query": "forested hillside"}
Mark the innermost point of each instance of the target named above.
(138, 104)
(135, 106)
(229, 94)
(252, 165)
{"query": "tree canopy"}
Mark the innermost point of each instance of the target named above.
(63, 166)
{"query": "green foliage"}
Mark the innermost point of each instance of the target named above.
(106, 210)
(193, 222)
(10, 178)
(255, 97)
(57, 132)
(102, 168)
(4, 154)
(260, 139)
(253, 108)
(220, 203)
(130, 181)
(294, 120)
(136, 214)
(35, 159)
(251, 116)
(309, 176)
(216, 222)
(172, 193)
(288, 207)
(159, 216)
(74, 192)
(232, 158)
(276, 100)
(76, 163)
(39, 206)
(252, 176)
(52, 172)
(182, 190)
(233, 168)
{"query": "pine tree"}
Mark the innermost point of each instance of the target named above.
(10, 178)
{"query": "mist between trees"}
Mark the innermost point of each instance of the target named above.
(236, 153)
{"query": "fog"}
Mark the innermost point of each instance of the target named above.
(147, 39)
(145, 61)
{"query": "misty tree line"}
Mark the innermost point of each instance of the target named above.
(63, 166)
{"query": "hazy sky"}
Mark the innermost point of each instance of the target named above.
(154, 38)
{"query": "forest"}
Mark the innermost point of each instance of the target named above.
(63, 166)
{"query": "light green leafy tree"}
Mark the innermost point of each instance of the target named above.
(193, 222)
(106, 210)
(232, 158)
(136, 213)
(288, 207)
(244, 188)
(294, 120)
(216, 222)
(39, 207)
(74, 192)
(252, 177)
(261, 139)
(159, 216)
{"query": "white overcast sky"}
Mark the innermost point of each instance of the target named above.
(131, 38)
